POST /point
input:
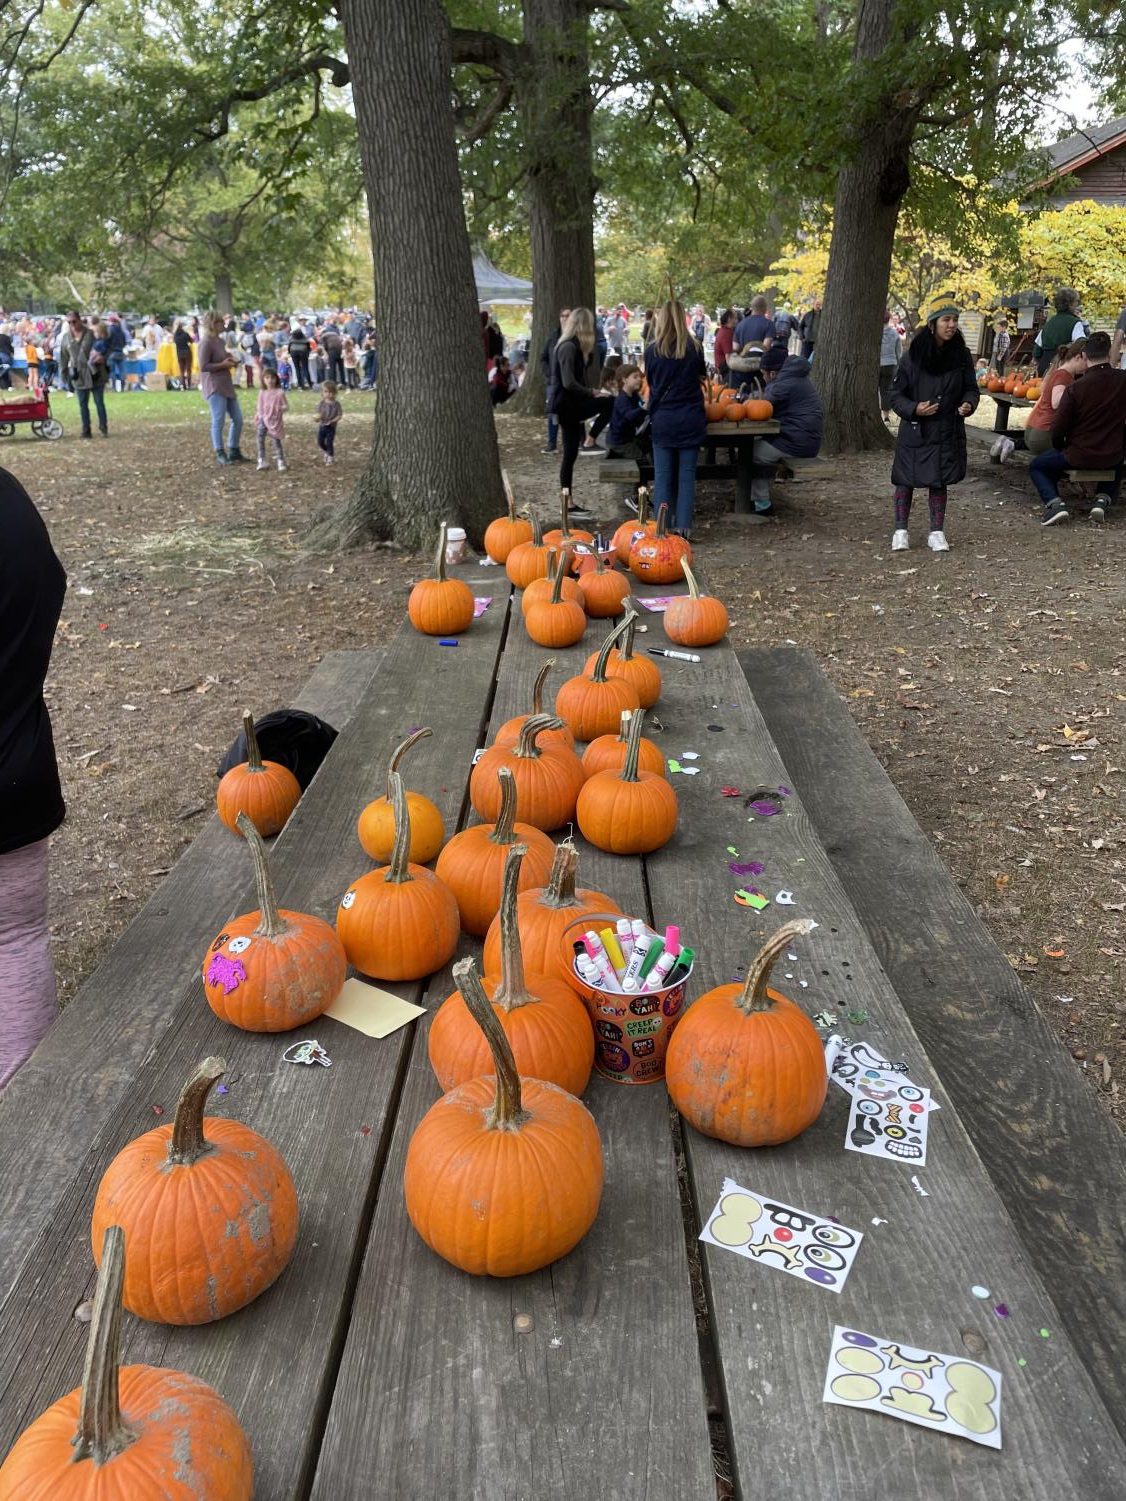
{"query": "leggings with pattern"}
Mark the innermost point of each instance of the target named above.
(936, 499)
(27, 977)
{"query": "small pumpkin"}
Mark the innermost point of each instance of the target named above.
(591, 703)
(503, 1175)
(695, 619)
(441, 606)
(544, 913)
(629, 811)
(656, 559)
(734, 411)
(472, 864)
(509, 732)
(129, 1431)
(604, 591)
(640, 525)
(641, 672)
(562, 535)
(208, 1209)
(399, 922)
(548, 778)
(507, 531)
(375, 827)
(713, 410)
(758, 410)
(546, 1024)
(608, 752)
(540, 589)
(528, 560)
(272, 970)
(266, 791)
(556, 622)
(745, 1064)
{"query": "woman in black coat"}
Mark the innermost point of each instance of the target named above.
(934, 391)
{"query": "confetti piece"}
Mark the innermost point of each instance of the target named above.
(731, 850)
(716, 728)
(1002, 1310)
(919, 1189)
(730, 792)
(753, 899)
(658, 603)
(856, 1017)
(1045, 1334)
(876, 1220)
(690, 755)
(674, 766)
(746, 867)
(824, 1019)
(763, 809)
(222, 1089)
(1022, 1361)
(158, 1110)
(979, 1291)
(481, 604)
(785, 899)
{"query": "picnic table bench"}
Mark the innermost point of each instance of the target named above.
(372, 1368)
(1004, 403)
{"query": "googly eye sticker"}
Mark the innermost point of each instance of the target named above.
(239, 945)
(348, 899)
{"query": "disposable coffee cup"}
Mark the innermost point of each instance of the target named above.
(455, 544)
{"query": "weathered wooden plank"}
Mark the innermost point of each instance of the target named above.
(1055, 1156)
(913, 1275)
(438, 1393)
(84, 1064)
(330, 1124)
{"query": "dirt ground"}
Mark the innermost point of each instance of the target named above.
(989, 681)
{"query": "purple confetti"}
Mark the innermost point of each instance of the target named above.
(227, 972)
(785, 792)
(481, 604)
(1002, 1310)
(222, 1089)
(763, 809)
(746, 867)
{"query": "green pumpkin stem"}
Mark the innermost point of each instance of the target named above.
(271, 924)
(537, 686)
(537, 529)
(400, 751)
(512, 992)
(507, 1113)
(633, 747)
(599, 673)
(509, 497)
(102, 1432)
(754, 996)
(690, 579)
(440, 560)
(533, 726)
(560, 573)
(560, 888)
(188, 1143)
(502, 831)
(398, 872)
(253, 754)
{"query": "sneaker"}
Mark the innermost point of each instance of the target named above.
(995, 451)
(1055, 511)
(593, 453)
(1007, 447)
(236, 456)
(282, 466)
(328, 458)
(767, 510)
(900, 541)
(937, 542)
(1099, 507)
(630, 503)
(580, 513)
(549, 448)
(262, 465)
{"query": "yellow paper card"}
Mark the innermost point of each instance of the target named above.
(375, 1012)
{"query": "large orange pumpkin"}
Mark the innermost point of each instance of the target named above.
(640, 672)
(208, 1208)
(129, 1432)
(472, 864)
(604, 590)
(399, 922)
(375, 826)
(628, 811)
(503, 1175)
(271, 970)
(656, 559)
(695, 619)
(507, 531)
(548, 777)
(509, 732)
(640, 525)
(540, 589)
(543, 915)
(745, 1064)
(608, 752)
(556, 622)
(546, 1024)
(758, 411)
(441, 606)
(565, 534)
(591, 704)
(528, 560)
(265, 791)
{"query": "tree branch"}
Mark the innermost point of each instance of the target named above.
(486, 50)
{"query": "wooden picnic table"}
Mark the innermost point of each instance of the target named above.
(372, 1368)
(1003, 405)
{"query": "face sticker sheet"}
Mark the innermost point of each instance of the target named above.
(778, 1235)
(889, 1110)
(944, 1392)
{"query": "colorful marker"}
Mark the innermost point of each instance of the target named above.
(681, 656)
(601, 959)
(684, 961)
(641, 947)
(625, 937)
(613, 949)
(656, 948)
(672, 939)
(658, 975)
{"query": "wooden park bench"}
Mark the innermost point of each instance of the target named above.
(374, 1368)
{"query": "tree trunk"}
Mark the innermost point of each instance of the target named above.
(224, 293)
(869, 191)
(555, 107)
(431, 462)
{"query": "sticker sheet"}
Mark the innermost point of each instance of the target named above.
(944, 1392)
(890, 1122)
(778, 1235)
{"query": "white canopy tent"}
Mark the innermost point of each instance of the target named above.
(498, 286)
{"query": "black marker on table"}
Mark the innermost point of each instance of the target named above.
(681, 656)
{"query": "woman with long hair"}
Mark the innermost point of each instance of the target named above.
(674, 368)
(934, 391)
(216, 367)
(1069, 363)
(574, 376)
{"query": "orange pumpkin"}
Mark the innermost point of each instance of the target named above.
(375, 827)
(545, 1022)
(713, 410)
(994, 383)
(399, 922)
(132, 1431)
(745, 1064)
(509, 732)
(265, 791)
(1008, 383)
(271, 970)
(636, 526)
(1019, 389)
(758, 411)
(608, 752)
(734, 411)
(556, 622)
(507, 531)
(604, 590)
(543, 914)
(528, 560)
(656, 559)
(565, 533)
(591, 704)
(472, 864)
(540, 589)
(441, 606)
(503, 1175)
(208, 1209)
(695, 619)
(641, 672)
(548, 778)
(627, 812)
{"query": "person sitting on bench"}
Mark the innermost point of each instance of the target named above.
(1089, 432)
(797, 406)
(629, 421)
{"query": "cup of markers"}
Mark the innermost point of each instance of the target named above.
(633, 981)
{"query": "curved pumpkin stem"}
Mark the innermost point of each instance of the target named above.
(633, 747)
(400, 751)
(537, 529)
(253, 754)
(663, 521)
(271, 924)
(102, 1432)
(537, 686)
(562, 569)
(754, 996)
(512, 992)
(440, 560)
(502, 831)
(642, 504)
(623, 728)
(625, 651)
(690, 579)
(533, 726)
(509, 497)
(508, 1113)
(188, 1143)
(398, 871)
(599, 673)
(560, 888)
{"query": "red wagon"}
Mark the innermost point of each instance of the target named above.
(36, 412)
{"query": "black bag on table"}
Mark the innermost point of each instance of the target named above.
(292, 737)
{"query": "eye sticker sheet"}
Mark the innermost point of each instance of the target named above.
(889, 1112)
(944, 1392)
(778, 1235)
